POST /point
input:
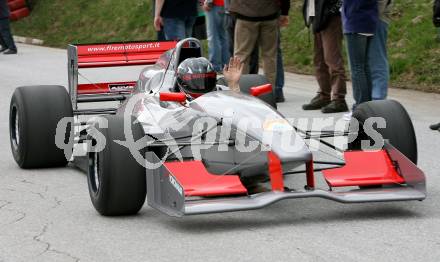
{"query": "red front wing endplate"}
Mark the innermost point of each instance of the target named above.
(364, 168)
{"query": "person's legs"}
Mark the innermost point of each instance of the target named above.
(6, 36)
(189, 25)
(378, 62)
(223, 38)
(254, 62)
(246, 36)
(321, 68)
(2, 44)
(322, 76)
(214, 44)
(174, 28)
(268, 39)
(357, 46)
(230, 31)
(279, 82)
(332, 46)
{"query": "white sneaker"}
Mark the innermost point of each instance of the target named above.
(347, 116)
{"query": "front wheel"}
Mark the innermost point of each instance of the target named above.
(116, 181)
(399, 130)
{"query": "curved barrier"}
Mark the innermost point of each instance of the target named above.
(18, 8)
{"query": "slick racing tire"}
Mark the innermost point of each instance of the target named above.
(116, 181)
(399, 129)
(248, 81)
(34, 114)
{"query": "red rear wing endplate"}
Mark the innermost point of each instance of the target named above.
(110, 55)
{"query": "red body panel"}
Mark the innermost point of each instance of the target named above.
(310, 175)
(197, 181)
(175, 97)
(121, 54)
(261, 90)
(364, 168)
(275, 172)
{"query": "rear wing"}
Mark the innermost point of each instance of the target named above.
(109, 55)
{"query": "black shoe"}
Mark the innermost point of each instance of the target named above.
(316, 103)
(10, 52)
(280, 98)
(335, 106)
(435, 126)
(2, 49)
(279, 95)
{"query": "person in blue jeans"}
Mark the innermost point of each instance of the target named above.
(360, 18)
(378, 55)
(218, 43)
(175, 17)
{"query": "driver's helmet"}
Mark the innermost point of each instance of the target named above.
(196, 76)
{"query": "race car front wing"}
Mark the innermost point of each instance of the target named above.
(167, 194)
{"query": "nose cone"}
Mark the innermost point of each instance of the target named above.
(288, 146)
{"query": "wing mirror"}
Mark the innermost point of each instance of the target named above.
(172, 97)
(260, 90)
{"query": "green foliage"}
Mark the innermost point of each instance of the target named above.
(413, 49)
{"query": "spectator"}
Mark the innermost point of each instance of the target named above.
(377, 53)
(436, 16)
(229, 26)
(436, 20)
(160, 36)
(360, 20)
(279, 81)
(217, 39)
(325, 20)
(258, 22)
(230, 31)
(177, 17)
(7, 45)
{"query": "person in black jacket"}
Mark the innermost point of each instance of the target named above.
(436, 13)
(175, 17)
(324, 19)
(436, 16)
(7, 45)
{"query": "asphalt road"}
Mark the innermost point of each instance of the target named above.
(46, 215)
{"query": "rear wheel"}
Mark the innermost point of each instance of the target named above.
(34, 114)
(117, 182)
(248, 81)
(399, 129)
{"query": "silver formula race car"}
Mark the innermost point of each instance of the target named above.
(215, 152)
